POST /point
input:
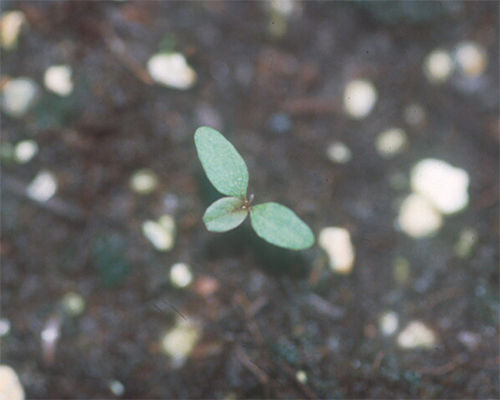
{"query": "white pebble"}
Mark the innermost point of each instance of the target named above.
(160, 233)
(25, 150)
(417, 217)
(337, 244)
(57, 79)
(73, 303)
(471, 58)
(466, 242)
(339, 153)
(171, 70)
(359, 98)
(284, 8)
(179, 342)
(10, 386)
(469, 339)
(301, 376)
(443, 185)
(43, 187)
(181, 275)
(18, 95)
(144, 181)
(116, 387)
(390, 142)
(11, 24)
(416, 335)
(388, 323)
(4, 326)
(438, 66)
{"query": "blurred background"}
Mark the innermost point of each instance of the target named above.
(376, 122)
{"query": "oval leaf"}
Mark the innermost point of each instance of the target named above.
(222, 163)
(225, 214)
(280, 226)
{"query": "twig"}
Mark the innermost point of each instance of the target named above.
(254, 369)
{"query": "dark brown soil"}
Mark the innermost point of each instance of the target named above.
(279, 100)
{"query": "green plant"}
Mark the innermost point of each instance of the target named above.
(227, 171)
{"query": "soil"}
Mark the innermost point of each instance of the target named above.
(264, 313)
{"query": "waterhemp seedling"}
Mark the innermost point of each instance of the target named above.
(227, 171)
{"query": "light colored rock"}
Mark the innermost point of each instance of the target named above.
(11, 24)
(144, 181)
(469, 339)
(180, 341)
(284, 8)
(116, 387)
(18, 95)
(416, 335)
(58, 79)
(359, 98)
(181, 275)
(445, 186)
(172, 70)
(339, 153)
(390, 142)
(43, 187)
(466, 242)
(438, 66)
(4, 327)
(160, 233)
(337, 244)
(388, 323)
(417, 217)
(301, 376)
(472, 59)
(25, 150)
(73, 304)
(10, 386)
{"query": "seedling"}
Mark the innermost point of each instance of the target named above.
(227, 171)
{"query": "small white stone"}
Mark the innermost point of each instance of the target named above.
(73, 304)
(18, 95)
(57, 79)
(4, 326)
(11, 24)
(417, 217)
(466, 242)
(471, 58)
(338, 152)
(469, 339)
(283, 7)
(116, 387)
(43, 187)
(10, 386)
(443, 185)
(171, 70)
(144, 181)
(51, 332)
(416, 335)
(25, 151)
(181, 275)
(337, 244)
(179, 342)
(301, 376)
(359, 98)
(161, 234)
(438, 66)
(390, 142)
(389, 323)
